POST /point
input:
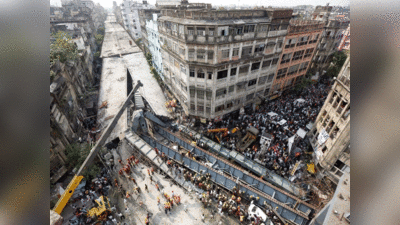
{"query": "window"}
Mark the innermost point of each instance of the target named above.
(210, 75)
(192, 92)
(210, 54)
(248, 28)
(222, 74)
(219, 108)
(346, 113)
(291, 43)
(183, 69)
(303, 66)
(275, 61)
(201, 31)
(220, 92)
(252, 82)
(266, 63)
(181, 29)
(281, 73)
(249, 97)
(263, 28)
(191, 53)
(211, 31)
(191, 74)
(182, 51)
(208, 95)
(270, 77)
(255, 66)
(244, 69)
(231, 88)
(293, 69)
(233, 71)
(262, 80)
(190, 31)
(297, 55)
(200, 108)
(239, 30)
(208, 110)
(200, 74)
(229, 104)
(246, 51)
(259, 48)
(235, 52)
(201, 54)
(286, 58)
(225, 54)
(200, 94)
(274, 28)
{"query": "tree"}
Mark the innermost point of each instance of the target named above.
(63, 48)
(337, 62)
(305, 82)
(76, 155)
(99, 39)
(101, 30)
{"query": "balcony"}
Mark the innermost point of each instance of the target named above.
(277, 33)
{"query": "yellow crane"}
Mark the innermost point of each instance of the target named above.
(62, 202)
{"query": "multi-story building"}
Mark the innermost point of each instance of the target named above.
(154, 44)
(328, 45)
(299, 47)
(217, 61)
(345, 41)
(130, 14)
(321, 13)
(330, 135)
(146, 15)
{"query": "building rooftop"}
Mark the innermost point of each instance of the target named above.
(213, 22)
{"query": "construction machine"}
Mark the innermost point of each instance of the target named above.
(224, 131)
(102, 209)
(247, 140)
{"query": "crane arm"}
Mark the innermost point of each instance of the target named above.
(62, 202)
(217, 130)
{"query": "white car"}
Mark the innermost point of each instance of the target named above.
(256, 211)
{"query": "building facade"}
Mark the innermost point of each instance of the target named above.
(154, 44)
(330, 135)
(328, 45)
(345, 41)
(130, 14)
(218, 61)
(298, 50)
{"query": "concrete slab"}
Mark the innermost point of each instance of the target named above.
(151, 90)
(112, 90)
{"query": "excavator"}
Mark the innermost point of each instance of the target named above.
(247, 140)
(103, 208)
(224, 131)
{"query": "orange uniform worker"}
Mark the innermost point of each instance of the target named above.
(146, 221)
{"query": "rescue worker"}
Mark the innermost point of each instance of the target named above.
(158, 188)
(145, 187)
(134, 181)
(166, 207)
(146, 221)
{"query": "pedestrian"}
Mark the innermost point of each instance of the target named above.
(121, 216)
(145, 187)
(151, 179)
(134, 181)
(202, 218)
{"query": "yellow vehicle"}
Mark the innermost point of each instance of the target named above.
(102, 210)
(62, 202)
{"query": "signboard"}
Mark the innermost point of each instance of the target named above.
(318, 153)
(295, 168)
(271, 114)
(290, 143)
(282, 122)
(302, 133)
(273, 97)
(241, 111)
(322, 137)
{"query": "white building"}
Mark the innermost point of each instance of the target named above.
(154, 44)
(130, 14)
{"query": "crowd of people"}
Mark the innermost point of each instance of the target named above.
(295, 109)
(86, 199)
